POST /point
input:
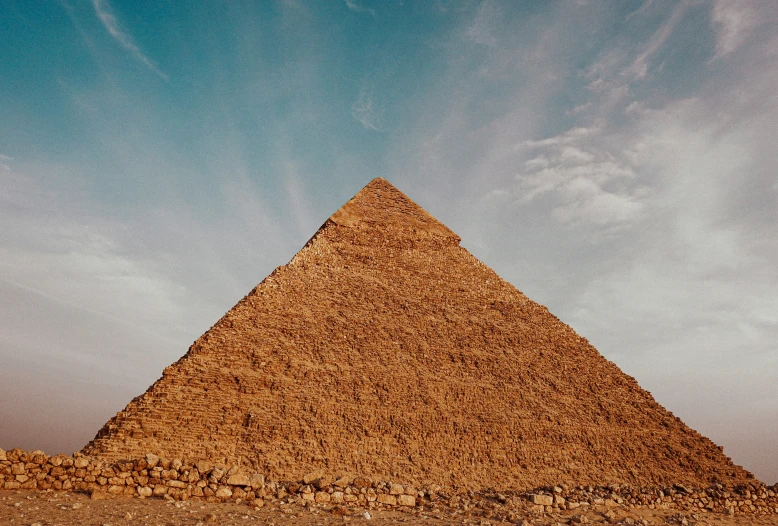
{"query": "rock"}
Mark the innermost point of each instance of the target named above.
(367, 515)
(98, 494)
(257, 481)
(396, 489)
(322, 496)
(313, 475)
(176, 484)
(344, 481)
(203, 466)
(81, 462)
(144, 491)
(383, 498)
(406, 500)
(3, 456)
(339, 511)
(257, 503)
(159, 490)
(115, 490)
(337, 497)
(543, 500)
(238, 480)
(223, 492)
(152, 460)
(579, 519)
(362, 482)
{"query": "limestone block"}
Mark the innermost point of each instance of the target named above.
(323, 496)
(152, 460)
(257, 481)
(383, 498)
(159, 490)
(144, 491)
(543, 500)
(223, 492)
(99, 494)
(396, 489)
(238, 480)
(313, 475)
(406, 500)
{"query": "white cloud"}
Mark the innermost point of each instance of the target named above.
(588, 184)
(105, 14)
(733, 21)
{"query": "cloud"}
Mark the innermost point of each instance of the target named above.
(733, 21)
(367, 111)
(587, 183)
(353, 6)
(639, 67)
(105, 14)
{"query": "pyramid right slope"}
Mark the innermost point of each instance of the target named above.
(386, 349)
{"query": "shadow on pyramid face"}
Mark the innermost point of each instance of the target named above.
(384, 348)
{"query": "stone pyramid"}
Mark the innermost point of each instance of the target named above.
(385, 349)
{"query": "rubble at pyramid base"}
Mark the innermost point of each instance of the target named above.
(183, 480)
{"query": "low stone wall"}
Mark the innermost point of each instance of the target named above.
(184, 480)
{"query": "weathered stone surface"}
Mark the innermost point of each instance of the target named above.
(238, 480)
(396, 489)
(406, 500)
(383, 310)
(81, 462)
(313, 475)
(159, 490)
(257, 481)
(151, 460)
(544, 500)
(223, 492)
(144, 491)
(2, 454)
(99, 494)
(322, 496)
(383, 498)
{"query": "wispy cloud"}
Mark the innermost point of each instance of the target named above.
(354, 6)
(105, 14)
(588, 183)
(733, 21)
(367, 111)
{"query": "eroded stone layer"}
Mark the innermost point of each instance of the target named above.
(384, 348)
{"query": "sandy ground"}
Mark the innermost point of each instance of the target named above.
(38, 508)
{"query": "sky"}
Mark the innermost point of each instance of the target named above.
(615, 161)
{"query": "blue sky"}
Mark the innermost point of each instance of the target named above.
(615, 161)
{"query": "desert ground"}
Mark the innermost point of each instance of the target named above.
(50, 508)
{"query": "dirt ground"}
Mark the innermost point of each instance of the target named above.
(40, 508)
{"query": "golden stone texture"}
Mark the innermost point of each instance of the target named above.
(385, 349)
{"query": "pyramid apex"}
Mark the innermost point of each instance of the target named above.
(381, 203)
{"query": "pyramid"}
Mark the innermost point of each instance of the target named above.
(385, 349)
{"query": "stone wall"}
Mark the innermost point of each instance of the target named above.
(179, 479)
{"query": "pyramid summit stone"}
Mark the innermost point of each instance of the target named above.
(385, 349)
